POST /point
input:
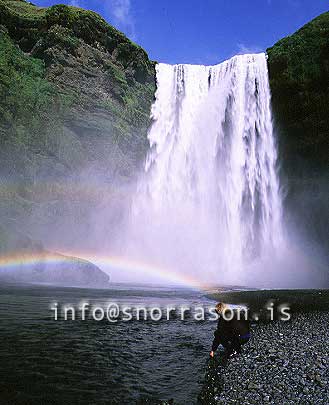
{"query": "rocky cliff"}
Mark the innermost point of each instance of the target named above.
(74, 112)
(74, 90)
(46, 267)
(299, 80)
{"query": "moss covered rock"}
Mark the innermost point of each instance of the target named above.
(75, 108)
(299, 80)
(78, 75)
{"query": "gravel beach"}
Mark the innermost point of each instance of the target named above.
(284, 363)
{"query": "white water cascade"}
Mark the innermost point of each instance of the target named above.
(209, 202)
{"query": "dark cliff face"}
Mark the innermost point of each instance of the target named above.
(299, 80)
(100, 87)
(75, 107)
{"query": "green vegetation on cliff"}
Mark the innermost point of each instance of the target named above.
(299, 80)
(75, 107)
(27, 24)
(29, 103)
(68, 75)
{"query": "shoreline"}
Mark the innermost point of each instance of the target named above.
(284, 362)
(299, 300)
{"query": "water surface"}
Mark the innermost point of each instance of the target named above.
(44, 361)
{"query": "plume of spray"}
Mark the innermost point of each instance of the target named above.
(208, 204)
(209, 201)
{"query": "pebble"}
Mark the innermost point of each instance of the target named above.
(284, 363)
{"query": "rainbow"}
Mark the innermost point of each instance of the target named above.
(123, 264)
(151, 270)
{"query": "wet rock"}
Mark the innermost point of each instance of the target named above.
(288, 370)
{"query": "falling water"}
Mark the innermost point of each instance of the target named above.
(209, 202)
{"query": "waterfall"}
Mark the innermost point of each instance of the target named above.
(209, 201)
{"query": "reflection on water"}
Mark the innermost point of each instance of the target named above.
(87, 362)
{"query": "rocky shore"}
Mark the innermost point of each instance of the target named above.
(284, 363)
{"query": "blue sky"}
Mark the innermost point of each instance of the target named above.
(202, 31)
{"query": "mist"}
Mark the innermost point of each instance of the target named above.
(205, 207)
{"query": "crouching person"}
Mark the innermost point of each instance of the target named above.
(230, 333)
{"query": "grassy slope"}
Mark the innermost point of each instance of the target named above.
(299, 79)
(42, 31)
(29, 103)
(75, 92)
